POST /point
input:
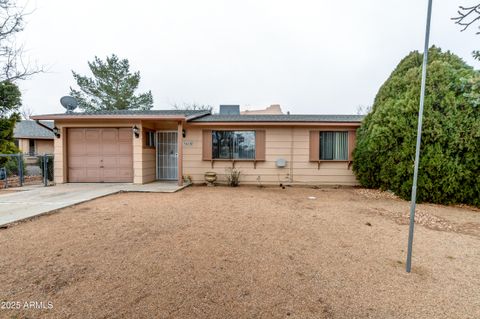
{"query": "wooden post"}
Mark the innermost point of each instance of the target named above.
(180, 153)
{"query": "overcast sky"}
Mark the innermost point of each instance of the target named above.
(308, 56)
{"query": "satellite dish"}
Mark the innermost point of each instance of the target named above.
(69, 103)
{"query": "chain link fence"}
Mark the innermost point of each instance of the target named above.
(18, 170)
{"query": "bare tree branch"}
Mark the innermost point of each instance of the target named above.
(192, 107)
(12, 64)
(467, 16)
(26, 112)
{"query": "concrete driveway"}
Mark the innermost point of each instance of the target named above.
(29, 201)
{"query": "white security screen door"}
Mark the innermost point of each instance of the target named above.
(167, 155)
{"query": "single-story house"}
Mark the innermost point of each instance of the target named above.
(145, 146)
(33, 138)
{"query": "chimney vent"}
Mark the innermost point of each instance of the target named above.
(230, 109)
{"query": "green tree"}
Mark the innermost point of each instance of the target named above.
(111, 88)
(10, 103)
(449, 170)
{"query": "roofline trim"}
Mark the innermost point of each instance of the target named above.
(26, 137)
(108, 117)
(275, 123)
(197, 116)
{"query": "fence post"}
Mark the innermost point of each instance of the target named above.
(45, 170)
(6, 178)
(20, 168)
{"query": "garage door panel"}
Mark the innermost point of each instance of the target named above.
(92, 135)
(92, 148)
(119, 175)
(110, 149)
(93, 174)
(81, 162)
(124, 162)
(125, 135)
(77, 149)
(109, 173)
(92, 161)
(100, 155)
(125, 173)
(125, 149)
(76, 135)
(76, 174)
(109, 137)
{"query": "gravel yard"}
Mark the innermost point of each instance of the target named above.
(243, 252)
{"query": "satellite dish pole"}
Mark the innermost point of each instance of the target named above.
(419, 139)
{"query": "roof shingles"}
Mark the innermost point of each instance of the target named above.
(280, 118)
(30, 129)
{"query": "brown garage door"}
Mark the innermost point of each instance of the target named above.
(100, 155)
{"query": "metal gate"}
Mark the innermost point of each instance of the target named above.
(167, 155)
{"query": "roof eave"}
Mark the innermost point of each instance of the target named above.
(108, 117)
(33, 137)
(274, 123)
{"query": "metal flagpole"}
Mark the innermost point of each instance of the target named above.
(419, 139)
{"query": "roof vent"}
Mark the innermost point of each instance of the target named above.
(230, 109)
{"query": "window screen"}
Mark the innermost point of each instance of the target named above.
(334, 146)
(150, 139)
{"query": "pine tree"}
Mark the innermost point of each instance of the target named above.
(10, 103)
(111, 88)
(449, 168)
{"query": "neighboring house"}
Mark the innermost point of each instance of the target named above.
(272, 109)
(33, 139)
(144, 146)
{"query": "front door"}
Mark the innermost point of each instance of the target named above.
(167, 155)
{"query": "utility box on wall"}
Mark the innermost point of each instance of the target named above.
(281, 163)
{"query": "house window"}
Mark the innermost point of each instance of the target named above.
(16, 142)
(31, 147)
(150, 139)
(233, 145)
(333, 146)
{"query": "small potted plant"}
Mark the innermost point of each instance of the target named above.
(187, 179)
(210, 178)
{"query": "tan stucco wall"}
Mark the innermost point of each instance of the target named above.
(23, 145)
(291, 144)
(42, 146)
(149, 173)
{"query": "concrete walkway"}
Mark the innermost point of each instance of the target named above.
(24, 202)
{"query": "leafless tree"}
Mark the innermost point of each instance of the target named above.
(192, 107)
(468, 16)
(12, 63)
(26, 112)
(363, 109)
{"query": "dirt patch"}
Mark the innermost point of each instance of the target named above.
(460, 219)
(243, 253)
